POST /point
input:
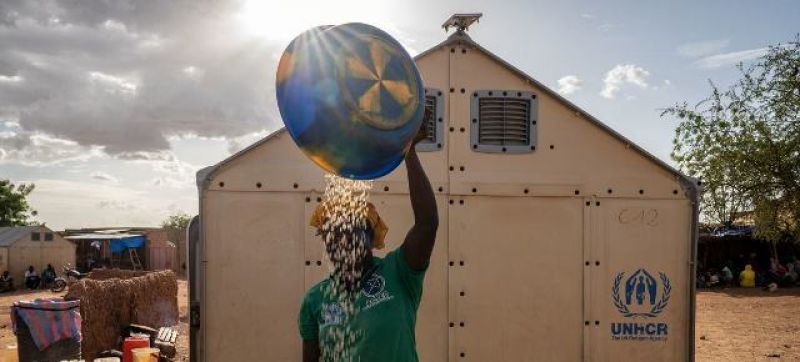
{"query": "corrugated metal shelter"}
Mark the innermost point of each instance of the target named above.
(23, 246)
(559, 239)
(155, 252)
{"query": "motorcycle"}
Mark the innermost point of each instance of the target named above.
(71, 275)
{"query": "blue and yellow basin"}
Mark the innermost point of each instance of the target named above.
(351, 97)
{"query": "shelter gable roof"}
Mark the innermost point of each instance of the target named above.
(10, 234)
(205, 174)
(461, 37)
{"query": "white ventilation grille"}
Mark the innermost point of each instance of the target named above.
(503, 121)
(433, 121)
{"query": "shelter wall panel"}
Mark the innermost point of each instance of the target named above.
(628, 235)
(316, 264)
(584, 156)
(4, 265)
(279, 165)
(431, 333)
(58, 253)
(518, 263)
(26, 252)
(22, 254)
(253, 275)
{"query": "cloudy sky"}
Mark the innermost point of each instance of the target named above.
(110, 107)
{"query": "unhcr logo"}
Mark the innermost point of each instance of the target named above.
(640, 296)
(639, 331)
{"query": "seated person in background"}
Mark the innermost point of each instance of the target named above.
(31, 278)
(713, 280)
(6, 282)
(747, 279)
(776, 270)
(727, 276)
(48, 275)
(701, 280)
(791, 273)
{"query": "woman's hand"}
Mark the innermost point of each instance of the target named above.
(421, 134)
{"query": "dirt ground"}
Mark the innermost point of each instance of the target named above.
(748, 325)
(732, 324)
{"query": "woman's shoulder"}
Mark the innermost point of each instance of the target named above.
(318, 288)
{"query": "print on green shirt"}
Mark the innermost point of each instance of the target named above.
(386, 312)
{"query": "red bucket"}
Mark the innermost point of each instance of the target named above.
(131, 343)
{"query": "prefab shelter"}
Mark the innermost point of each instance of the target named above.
(23, 246)
(559, 239)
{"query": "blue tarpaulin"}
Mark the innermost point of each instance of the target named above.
(119, 242)
(119, 245)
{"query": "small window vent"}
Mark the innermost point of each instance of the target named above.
(503, 121)
(48, 236)
(36, 236)
(433, 121)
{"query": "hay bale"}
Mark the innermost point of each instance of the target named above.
(110, 305)
(103, 274)
(105, 309)
(155, 299)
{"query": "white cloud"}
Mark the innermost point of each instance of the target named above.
(75, 204)
(732, 58)
(588, 16)
(193, 72)
(39, 149)
(239, 143)
(406, 40)
(607, 27)
(667, 82)
(102, 176)
(702, 48)
(170, 171)
(113, 84)
(11, 124)
(10, 79)
(114, 25)
(126, 76)
(172, 182)
(117, 205)
(622, 74)
(569, 84)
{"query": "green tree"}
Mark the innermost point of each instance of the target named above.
(14, 208)
(743, 142)
(179, 221)
(175, 227)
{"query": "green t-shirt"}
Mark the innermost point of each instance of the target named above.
(387, 312)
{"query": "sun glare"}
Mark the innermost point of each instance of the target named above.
(285, 19)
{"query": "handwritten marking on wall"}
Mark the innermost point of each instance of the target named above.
(638, 216)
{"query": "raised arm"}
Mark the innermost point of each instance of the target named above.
(419, 241)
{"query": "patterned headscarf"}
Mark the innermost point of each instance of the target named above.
(379, 228)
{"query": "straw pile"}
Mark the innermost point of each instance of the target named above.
(103, 274)
(108, 306)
